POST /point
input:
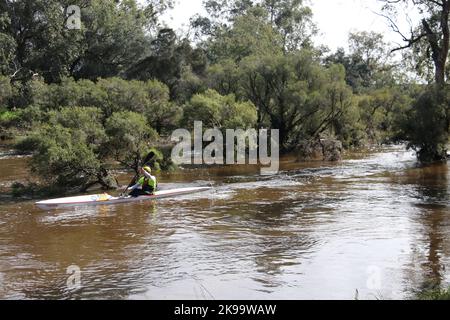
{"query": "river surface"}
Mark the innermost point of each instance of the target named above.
(375, 226)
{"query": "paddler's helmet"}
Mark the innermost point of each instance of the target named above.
(148, 169)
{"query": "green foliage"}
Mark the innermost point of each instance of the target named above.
(427, 124)
(85, 119)
(37, 39)
(63, 156)
(6, 91)
(368, 65)
(123, 95)
(8, 118)
(151, 98)
(129, 137)
(218, 111)
(122, 80)
(434, 294)
(31, 117)
(162, 114)
(350, 130)
(251, 34)
(67, 149)
(108, 28)
(224, 77)
(71, 148)
(239, 28)
(7, 50)
(113, 37)
(428, 46)
(293, 20)
(295, 94)
(382, 111)
(169, 62)
(187, 85)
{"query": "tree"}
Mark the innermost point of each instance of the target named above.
(224, 77)
(113, 36)
(429, 39)
(129, 138)
(36, 39)
(431, 36)
(162, 114)
(123, 95)
(427, 125)
(250, 34)
(67, 149)
(73, 149)
(6, 91)
(294, 94)
(382, 111)
(291, 19)
(168, 61)
(7, 47)
(367, 64)
(217, 111)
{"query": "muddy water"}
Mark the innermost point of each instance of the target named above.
(376, 223)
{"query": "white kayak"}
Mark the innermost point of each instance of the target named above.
(106, 199)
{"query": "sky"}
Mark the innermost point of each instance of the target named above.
(335, 19)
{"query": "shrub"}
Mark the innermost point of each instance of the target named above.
(129, 138)
(215, 110)
(426, 126)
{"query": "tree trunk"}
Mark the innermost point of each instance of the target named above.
(439, 48)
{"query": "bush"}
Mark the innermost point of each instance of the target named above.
(123, 95)
(68, 149)
(129, 138)
(31, 117)
(87, 120)
(435, 294)
(162, 114)
(64, 157)
(426, 125)
(215, 110)
(7, 118)
(72, 146)
(111, 95)
(6, 90)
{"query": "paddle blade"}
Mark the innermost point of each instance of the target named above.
(149, 157)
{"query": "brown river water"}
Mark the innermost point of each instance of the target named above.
(376, 223)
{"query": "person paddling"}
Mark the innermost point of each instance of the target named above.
(146, 184)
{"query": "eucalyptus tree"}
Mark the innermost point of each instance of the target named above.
(428, 122)
(35, 38)
(291, 19)
(429, 39)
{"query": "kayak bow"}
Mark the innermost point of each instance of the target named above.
(106, 199)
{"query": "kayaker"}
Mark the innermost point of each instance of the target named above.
(146, 184)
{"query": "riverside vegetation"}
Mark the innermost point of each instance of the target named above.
(83, 101)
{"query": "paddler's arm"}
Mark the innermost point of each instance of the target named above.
(137, 185)
(146, 174)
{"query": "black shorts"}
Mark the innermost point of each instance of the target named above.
(142, 192)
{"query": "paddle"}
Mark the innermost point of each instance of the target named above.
(146, 160)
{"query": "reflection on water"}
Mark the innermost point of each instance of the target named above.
(376, 223)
